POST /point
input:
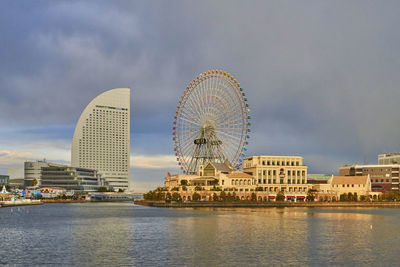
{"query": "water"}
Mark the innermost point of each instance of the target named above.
(121, 234)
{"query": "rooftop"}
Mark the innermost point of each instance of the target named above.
(349, 179)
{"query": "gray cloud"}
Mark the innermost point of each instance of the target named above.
(321, 77)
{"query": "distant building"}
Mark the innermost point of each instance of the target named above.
(102, 138)
(389, 158)
(383, 177)
(33, 171)
(4, 180)
(70, 178)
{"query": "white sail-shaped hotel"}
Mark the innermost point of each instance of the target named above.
(102, 138)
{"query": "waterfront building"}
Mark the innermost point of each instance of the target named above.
(4, 180)
(383, 177)
(285, 174)
(102, 138)
(70, 178)
(389, 158)
(260, 180)
(338, 185)
(33, 171)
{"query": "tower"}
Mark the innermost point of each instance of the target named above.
(102, 138)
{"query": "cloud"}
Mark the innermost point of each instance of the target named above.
(164, 162)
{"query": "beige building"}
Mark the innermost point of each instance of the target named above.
(278, 173)
(338, 185)
(265, 176)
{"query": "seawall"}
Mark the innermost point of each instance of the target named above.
(162, 204)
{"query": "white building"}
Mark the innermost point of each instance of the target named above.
(33, 171)
(102, 138)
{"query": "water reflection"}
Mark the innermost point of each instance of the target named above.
(123, 234)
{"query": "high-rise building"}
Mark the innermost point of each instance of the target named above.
(102, 138)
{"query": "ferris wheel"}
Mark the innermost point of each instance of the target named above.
(211, 122)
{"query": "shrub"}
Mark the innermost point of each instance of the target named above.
(222, 196)
(310, 195)
(215, 197)
(280, 196)
(198, 188)
(196, 197)
(176, 197)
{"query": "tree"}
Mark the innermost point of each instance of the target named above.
(149, 195)
(234, 198)
(176, 197)
(362, 198)
(184, 182)
(253, 197)
(196, 196)
(355, 196)
(103, 189)
(168, 197)
(198, 188)
(350, 196)
(215, 197)
(343, 197)
(280, 196)
(34, 182)
(229, 197)
(222, 196)
(120, 190)
(8, 187)
(310, 195)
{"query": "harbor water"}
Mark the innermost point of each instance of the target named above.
(123, 234)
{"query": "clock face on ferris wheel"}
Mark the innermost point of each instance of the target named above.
(211, 122)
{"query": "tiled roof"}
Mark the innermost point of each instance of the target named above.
(221, 167)
(349, 179)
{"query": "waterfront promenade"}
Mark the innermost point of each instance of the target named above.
(19, 202)
(204, 204)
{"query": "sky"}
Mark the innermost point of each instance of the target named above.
(321, 77)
